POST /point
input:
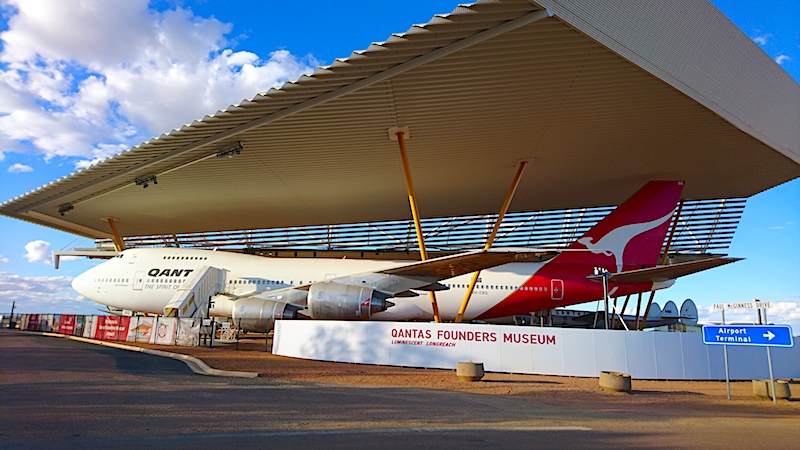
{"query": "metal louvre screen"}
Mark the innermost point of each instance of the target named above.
(703, 226)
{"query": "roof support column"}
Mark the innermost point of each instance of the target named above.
(622, 314)
(643, 323)
(118, 242)
(638, 309)
(399, 135)
(614, 314)
(490, 239)
(663, 261)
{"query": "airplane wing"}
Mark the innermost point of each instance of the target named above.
(421, 275)
(664, 273)
(425, 275)
(462, 263)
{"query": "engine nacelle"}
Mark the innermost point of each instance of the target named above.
(337, 301)
(259, 314)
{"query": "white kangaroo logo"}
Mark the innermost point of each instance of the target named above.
(616, 240)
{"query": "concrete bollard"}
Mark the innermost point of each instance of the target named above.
(762, 389)
(615, 381)
(469, 371)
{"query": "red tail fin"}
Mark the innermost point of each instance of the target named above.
(629, 238)
(632, 235)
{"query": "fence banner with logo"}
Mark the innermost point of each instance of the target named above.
(46, 322)
(164, 331)
(188, 332)
(67, 324)
(141, 329)
(112, 328)
(33, 322)
(89, 326)
(23, 321)
(79, 324)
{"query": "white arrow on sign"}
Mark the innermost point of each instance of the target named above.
(769, 335)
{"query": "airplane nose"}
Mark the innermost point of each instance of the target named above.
(81, 284)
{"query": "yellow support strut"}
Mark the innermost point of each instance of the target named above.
(415, 213)
(490, 240)
(118, 242)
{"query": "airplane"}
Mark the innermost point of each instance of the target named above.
(257, 290)
(656, 317)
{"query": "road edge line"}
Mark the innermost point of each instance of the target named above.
(197, 365)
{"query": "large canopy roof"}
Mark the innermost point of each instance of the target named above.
(600, 98)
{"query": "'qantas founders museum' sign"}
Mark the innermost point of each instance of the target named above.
(520, 349)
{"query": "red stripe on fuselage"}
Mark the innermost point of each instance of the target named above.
(537, 292)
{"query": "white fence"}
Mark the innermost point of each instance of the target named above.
(155, 330)
(532, 350)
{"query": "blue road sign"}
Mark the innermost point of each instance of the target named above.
(759, 335)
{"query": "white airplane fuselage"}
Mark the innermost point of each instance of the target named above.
(145, 280)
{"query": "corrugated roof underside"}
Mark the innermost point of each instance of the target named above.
(418, 40)
(597, 126)
(692, 46)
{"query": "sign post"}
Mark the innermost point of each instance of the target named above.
(725, 352)
(750, 335)
(772, 378)
(755, 304)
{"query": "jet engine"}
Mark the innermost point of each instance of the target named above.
(259, 314)
(337, 301)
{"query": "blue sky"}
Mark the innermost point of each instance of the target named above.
(78, 82)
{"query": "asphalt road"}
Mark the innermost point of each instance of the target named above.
(59, 393)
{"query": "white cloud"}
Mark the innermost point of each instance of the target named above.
(38, 251)
(761, 39)
(780, 59)
(19, 168)
(3, 259)
(122, 28)
(84, 163)
(42, 295)
(783, 312)
(92, 78)
(46, 285)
